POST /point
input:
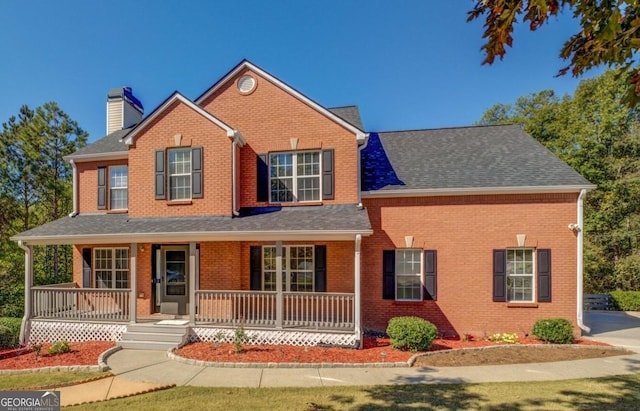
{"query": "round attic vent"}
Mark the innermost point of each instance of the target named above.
(246, 84)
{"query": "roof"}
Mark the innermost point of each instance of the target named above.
(499, 158)
(337, 222)
(351, 114)
(111, 143)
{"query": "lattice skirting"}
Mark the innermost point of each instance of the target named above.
(298, 338)
(52, 331)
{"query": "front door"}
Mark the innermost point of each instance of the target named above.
(175, 281)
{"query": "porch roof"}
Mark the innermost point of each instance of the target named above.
(329, 222)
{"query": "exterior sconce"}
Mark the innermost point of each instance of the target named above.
(141, 248)
(141, 294)
(521, 238)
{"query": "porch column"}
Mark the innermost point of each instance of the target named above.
(279, 284)
(133, 294)
(356, 285)
(192, 283)
(28, 283)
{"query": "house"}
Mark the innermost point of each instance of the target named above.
(255, 206)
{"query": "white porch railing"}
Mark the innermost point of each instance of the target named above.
(68, 302)
(259, 308)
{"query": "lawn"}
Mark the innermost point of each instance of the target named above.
(45, 379)
(611, 393)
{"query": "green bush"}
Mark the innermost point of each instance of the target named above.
(10, 338)
(60, 347)
(554, 330)
(411, 333)
(625, 300)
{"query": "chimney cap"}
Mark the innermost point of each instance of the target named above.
(125, 93)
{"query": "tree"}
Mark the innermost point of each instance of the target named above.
(600, 138)
(609, 33)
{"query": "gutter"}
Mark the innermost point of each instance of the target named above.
(580, 263)
(75, 188)
(461, 191)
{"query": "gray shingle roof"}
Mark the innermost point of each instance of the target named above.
(334, 219)
(350, 114)
(459, 158)
(110, 143)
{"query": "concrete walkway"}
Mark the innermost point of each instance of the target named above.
(141, 370)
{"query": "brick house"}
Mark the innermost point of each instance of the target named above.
(254, 205)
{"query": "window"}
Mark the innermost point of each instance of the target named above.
(520, 272)
(297, 268)
(294, 177)
(408, 271)
(111, 267)
(118, 187)
(180, 174)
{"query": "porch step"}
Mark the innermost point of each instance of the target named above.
(153, 336)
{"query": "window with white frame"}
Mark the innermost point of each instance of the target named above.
(118, 191)
(520, 274)
(297, 268)
(408, 274)
(111, 267)
(294, 176)
(180, 174)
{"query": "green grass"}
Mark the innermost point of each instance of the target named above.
(44, 379)
(610, 393)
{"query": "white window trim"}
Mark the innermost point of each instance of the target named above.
(111, 188)
(113, 266)
(190, 174)
(533, 275)
(286, 268)
(407, 275)
(294, 177)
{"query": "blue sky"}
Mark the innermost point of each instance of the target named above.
(406, 63)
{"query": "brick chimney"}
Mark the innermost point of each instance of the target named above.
(123, 109)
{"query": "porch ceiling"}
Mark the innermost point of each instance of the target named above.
(334, 222)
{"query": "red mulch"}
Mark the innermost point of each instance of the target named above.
(82, 353)
(375, 349)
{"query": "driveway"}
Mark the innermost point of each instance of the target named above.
(620, 328)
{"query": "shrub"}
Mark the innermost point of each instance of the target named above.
(13, 324)
(411, 333)
(60, 347)
(625, 300)
(554, 330)
(7, 338)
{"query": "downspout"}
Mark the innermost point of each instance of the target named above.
(359, 171)
(28, 283)
(580, 265)
(75, 189)
(233, 179)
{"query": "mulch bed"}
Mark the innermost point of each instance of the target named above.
(82, 353)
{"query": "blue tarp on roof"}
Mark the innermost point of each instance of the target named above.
(376, 170)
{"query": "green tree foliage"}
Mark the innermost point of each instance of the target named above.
(599, 136)
(35, 188)
(608, 35)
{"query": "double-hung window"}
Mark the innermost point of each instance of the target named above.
(297, 268)
(118, 176)
(111, 267)
(180, 174)
(520, 274)
(408, 272)
(294, 177)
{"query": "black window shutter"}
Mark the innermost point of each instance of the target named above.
(499, 275)
(430, 275)
(255, 268)
(160, 176)
(389, 274)
(327, 175)
(262, 177)
(196, 172)
(86, 268)
(102, 188)
(321, 268)
(544, 275)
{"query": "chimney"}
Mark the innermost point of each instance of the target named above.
(123, 109)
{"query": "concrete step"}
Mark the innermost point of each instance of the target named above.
(157, 329)
(146, 345)
(159, 337)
